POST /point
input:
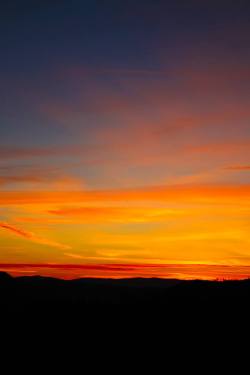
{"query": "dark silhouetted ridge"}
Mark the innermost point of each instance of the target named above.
(27, 293)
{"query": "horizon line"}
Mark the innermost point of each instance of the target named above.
(127, 271)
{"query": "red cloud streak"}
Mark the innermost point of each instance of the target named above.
(181, 271)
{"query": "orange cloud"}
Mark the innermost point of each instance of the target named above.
(117, 214)
(171, 193)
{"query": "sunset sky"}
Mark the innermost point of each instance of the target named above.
(125, 138)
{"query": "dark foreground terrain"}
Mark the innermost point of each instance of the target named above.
(122, 311)
(27, 293)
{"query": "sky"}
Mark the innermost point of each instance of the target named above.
(125, 138)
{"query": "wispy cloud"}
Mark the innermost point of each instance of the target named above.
(238, 168)
(220, 148)
(39, 176)
(15, 152)
(17, 231)
(9, 180)
(32, 237)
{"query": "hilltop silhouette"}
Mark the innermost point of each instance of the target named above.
(21, 293)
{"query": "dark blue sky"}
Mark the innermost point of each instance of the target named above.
(116, 33)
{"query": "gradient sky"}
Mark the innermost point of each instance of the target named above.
(125, 138)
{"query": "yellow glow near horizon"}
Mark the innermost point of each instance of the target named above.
(183, 225)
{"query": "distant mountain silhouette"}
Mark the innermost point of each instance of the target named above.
(24, 292)
(4, 276)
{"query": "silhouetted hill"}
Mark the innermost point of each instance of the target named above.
(26, 292)
(4, 276)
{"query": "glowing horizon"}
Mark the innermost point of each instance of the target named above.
(209, 272)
